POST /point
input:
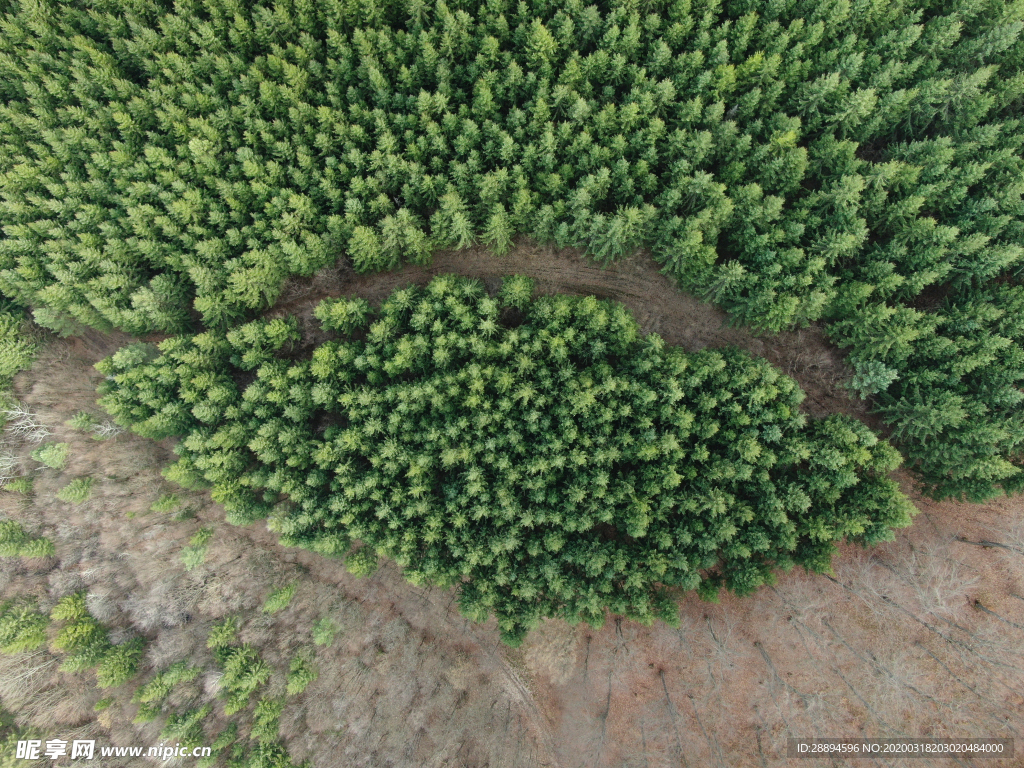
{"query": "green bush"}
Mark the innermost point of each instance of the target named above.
(194, 554)
(120, 664)
(167, 502)
(345, 316)
(223, 634)
(324, 631)
(87, 645)
(22, 626)
(105, 703)
(54, 455)
(266, 720)
(77, 491)
(243, 672)
(17, 351)
(22, 485)
(279, 599)
(16, 542)
(82, 421)
(558, 466)
(186, 727)
(301, 672)
(161, 684)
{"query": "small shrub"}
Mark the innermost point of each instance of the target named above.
(244, 672)
(168, 502)
(279, 599)
(871, 377)
(324, 631)
(194, 554)
(16, 542)
(188, 512)
(343, 315)
(22, 627)
(301, 673)
(224, 740)
(120, 664)
(82, 421)
(103, 704)
(16, 350)
(82, 637)
(516, 291)
(158, 688)
(22, 485)
(54, 455)
(223, 634)
(70, 608)
(186, 727)
(148, 713)
(362, 562)
(77, 491)
(266, 720)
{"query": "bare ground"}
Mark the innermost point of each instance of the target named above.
(923, 636)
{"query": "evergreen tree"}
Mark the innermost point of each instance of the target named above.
(548, 462)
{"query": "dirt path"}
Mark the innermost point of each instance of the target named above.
(654, 299)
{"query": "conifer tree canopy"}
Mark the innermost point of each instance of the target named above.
(850, 161)
(542, 455)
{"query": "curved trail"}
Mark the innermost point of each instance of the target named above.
(654, 299)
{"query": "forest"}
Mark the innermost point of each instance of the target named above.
(557, 465)
(856, 163)
(221, 225)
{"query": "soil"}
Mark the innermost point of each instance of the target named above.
(922, 636)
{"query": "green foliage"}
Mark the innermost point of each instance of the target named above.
(187, 727)
(10, 735)
(83, 421)
(54, 455)
(77, 491)
(223, 634)
(871, 377)
(324, 631)
(346, 316)
(105, 703)
(793, 161)
(161, 684)
(220, 745)
(301, 672)
(516, 291)
(558, 466)
(362, 562)
(87, 644)
(194, 554)
(22, 485)
(244, 672)
(16, 542)
(266, 720)
(120, 664)
(167, 502)
(279, 599)
(70, 608)
(17, 351)
(22, 626)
